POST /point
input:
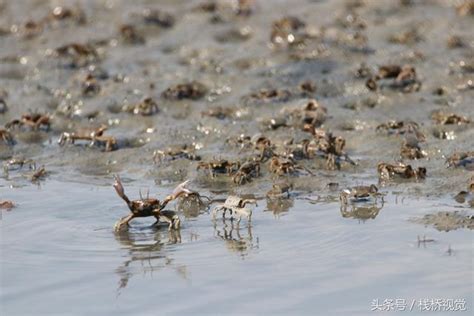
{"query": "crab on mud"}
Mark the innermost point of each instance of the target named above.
(146, 207)
(389, 172)
(175, 152)
(95, 136)
(237, 205)
(34, 120)
(359, 194)
(246, 172)
(285, 165)
(219, 166)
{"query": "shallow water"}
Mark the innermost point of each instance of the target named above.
(59, 253)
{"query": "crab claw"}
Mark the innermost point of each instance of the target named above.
(179, 190)
(119, 189)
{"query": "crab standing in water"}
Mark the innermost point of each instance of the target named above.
(237, 205)
(146, 207)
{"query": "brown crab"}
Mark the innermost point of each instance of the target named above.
(443, 118)
(146, 107)
(389, 172)
(158, 18)
(310, 114)
(287, 30)
(17, 163)
(6, 137)
(34, 120)
(95, 136)
(237, 205)
(404, 78)
(90, 86)
(270, 95)
(77, 55)
(146, 207)
(246, 172)
(219, 166)
(279, 190)
(219, 112)
(411, 149)
(358, 193)
(39, 174)
(130, 35)
(401, 128)
(282, 165)
(176, 152)
(193, 90)
(461, 159)
(7, 204)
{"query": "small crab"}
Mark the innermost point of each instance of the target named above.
(411, 149)
(461, 159)
(39, 174)
(146, 107)
(219, 112)
(279, 190)
(90, 86)
(219, 166)
(77, 55)
(7, 204)
(175, 152)
(358, 193)
(404, 78)
(270, 95)
(237, 205)
(158, 18)
(34, 120)
(286, 30)
(281, 165)
(95, 136)
(6, 137)
(246, 172)
(443, 118)
(146, 207)
(401, 128)
(191, 90)
(17, 163)
(130, 35)
(388, 171)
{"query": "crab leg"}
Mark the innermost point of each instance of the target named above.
(123, 221)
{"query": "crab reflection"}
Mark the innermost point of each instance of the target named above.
(149, 250)
(361, 211)
(238, 240)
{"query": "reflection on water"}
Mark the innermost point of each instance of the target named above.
(279, 206)
(237, 239)
(149, 250)
(362, 212)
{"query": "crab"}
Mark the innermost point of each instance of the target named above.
(358, 193)
(17, 163)
(411, 149)
(96, 136)
(146, 107)
(264, 146)
(39, 174)
(77, 55)
(286, 30)
(388, 171)
(461, 159)
(219, 112)
(279, 190)
(34, 120)
(158, 18)
(193, 90)
(401, 128)
(147, 207)
(282, 165)
(270, 95)
(237, 205)
(330, 146)
(219, 166)
(443, 118)
(7, 204)
(175, 152)
(129, 34)
(90, 86)
(6, 137)
(404, 78)
(246, 172)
